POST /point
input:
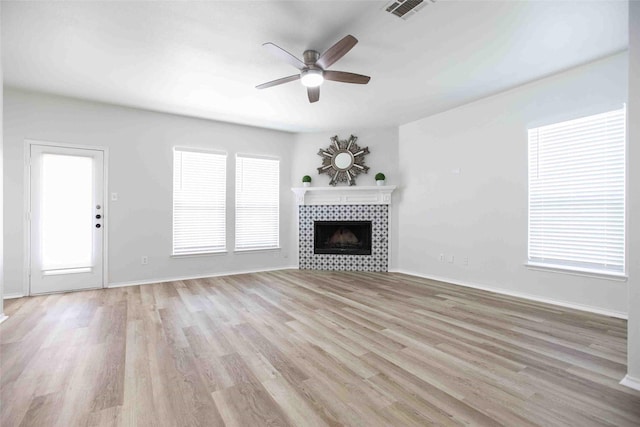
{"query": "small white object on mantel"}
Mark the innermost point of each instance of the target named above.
(369, 195)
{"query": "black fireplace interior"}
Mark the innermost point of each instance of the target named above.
(342, 237)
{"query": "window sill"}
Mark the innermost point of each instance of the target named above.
(250, 250)
(584, 272)
(198, 254)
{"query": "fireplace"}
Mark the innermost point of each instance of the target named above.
(342, 237)
(350, 204)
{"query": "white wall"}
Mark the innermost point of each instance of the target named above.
(383, 157)
(634, 194)
(140, 170)
(481, 212)
(1, 187)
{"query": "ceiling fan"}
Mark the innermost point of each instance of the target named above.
(313, 68)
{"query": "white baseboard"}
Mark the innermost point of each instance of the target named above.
(13, 296)
(3, 317)
(631, 382)
(581, 307)
(173, 279)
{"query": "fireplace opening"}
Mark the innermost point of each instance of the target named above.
(342, 237)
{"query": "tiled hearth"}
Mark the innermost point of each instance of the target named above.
(344, 204)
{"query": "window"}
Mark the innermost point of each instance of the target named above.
(257, 203)
(577, 194)
(199, 196)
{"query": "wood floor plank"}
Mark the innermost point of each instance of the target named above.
(250, 402)
(316, 348)
(294, 406)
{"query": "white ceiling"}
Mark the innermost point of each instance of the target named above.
(204, 59)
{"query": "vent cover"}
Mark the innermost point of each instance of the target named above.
(406, 8)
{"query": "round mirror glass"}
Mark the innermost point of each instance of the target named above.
(343, 160)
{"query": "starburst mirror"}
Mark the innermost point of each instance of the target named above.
(343, 160)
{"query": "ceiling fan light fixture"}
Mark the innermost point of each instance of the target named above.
(311, 78)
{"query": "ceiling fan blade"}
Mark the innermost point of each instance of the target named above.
(314, 94)
(336, 51)
(284, 55)
(341, 76)
(278, 81)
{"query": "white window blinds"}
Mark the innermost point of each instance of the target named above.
(199, 196)
(257, 203)
(577, 193)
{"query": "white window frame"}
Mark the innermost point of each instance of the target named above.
(597, 266)
(238, 190)
(214, 249)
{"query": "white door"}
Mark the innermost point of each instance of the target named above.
(67, 219)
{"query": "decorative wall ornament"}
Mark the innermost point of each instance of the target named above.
(343, 160)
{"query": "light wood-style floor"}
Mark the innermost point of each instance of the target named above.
(309, 349)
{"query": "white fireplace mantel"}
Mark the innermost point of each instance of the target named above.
(369, 195)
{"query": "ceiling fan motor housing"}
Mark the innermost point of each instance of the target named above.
(310, 57)
(312, 74)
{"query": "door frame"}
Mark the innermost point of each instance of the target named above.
(28, 143)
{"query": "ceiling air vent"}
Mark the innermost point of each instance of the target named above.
(406, 8)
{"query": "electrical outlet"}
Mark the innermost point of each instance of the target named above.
(144, 260)
(450, 259)
(465, 260)
(441, 257)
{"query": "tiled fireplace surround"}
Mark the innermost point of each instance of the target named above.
(344, 204)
